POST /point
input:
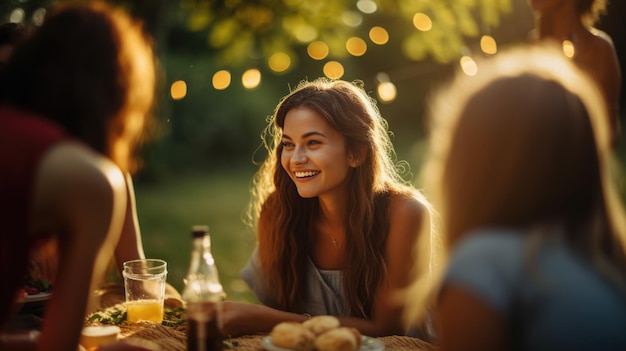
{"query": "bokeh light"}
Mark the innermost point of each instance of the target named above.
(251, 78)
(178, 90)
(333, 70)
(221, 79)
(379, 35)
(366, 6)
(352, 18)
(382, 77)
(279, 62)
(422, 22)
(387, 91)
(38, 16)
(468, 65)
(317, 50)
(568, 48)
(356, 46)
(305, 33)
(17, 15)
(488, 44)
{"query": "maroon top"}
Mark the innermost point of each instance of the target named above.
(24, 140)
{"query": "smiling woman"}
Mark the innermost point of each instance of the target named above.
(334, 218)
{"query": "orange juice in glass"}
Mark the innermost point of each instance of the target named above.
(144, 283)
(144, 310)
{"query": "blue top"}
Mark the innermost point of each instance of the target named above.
(552, 297)
(324, 294)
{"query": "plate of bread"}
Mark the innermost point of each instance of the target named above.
(320, 333)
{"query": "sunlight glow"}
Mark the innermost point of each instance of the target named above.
(178, 90)
(488, 45)
(317, 50)
(379, 35)
(356, 46)
(568, 48)
(468, 65)
(333, 70)
(366, 6)
(422, 22)
(279, 62)
(221, 79)
(251, 78)
(387, 91)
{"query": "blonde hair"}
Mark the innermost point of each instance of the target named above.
(523, 142)
(591, 10)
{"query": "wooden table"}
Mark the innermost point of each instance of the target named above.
(173, 339)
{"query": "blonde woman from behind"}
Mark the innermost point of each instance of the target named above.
(533, 232)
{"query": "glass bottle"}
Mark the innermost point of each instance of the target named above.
(203, 294)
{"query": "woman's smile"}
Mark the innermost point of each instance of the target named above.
(304, 175)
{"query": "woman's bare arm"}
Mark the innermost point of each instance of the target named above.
(465, 322)
(81, 198)
(130, 246)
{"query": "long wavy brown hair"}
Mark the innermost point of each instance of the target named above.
(285, 221)
(90, 68)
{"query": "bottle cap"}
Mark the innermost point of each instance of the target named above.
(199, 230)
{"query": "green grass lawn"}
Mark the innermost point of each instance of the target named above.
(168, 209)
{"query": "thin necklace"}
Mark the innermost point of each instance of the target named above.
(333, 239)
(330, 233)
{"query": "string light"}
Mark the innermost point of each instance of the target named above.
(221, 79)
(178, 90)
(488, 45)
(468, 65)
(387, 91)
(251, 78)
(356, 46)
(279, 62)
(422, 22)
(333, 70)
(317, 50)
(379, 35)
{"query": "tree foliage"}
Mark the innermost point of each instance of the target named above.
(244, 29)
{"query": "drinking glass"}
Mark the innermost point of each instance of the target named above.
(144, 284)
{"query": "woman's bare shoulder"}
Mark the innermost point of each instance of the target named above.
(407, 203)
(74, 163)
(602, 37)
(71, 178)
(408, 212)
(600, 44)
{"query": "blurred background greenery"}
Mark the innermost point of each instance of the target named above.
(200, 160)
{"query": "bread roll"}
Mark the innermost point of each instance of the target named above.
(338, 339)
(292, 335)
(321, 324)
(357, 335)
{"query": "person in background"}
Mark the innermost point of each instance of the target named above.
(73, 105)
(533, 230)
(571, 22)
(335, 221)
